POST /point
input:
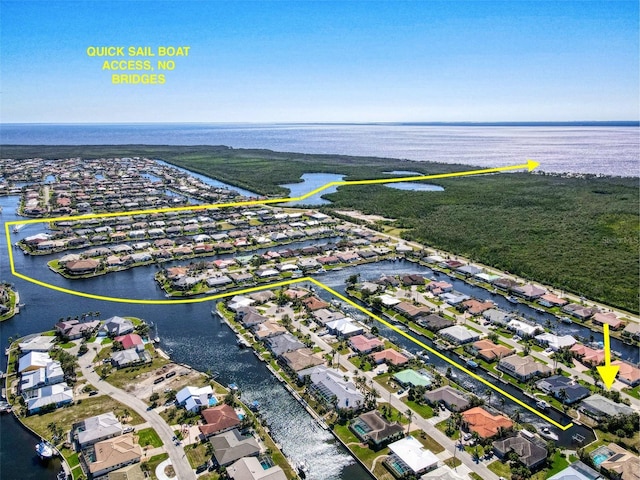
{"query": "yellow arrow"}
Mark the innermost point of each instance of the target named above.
(608, 372)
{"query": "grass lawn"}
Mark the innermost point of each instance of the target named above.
(500, 469)
(209, 476)
(67, 345)
(71, 457)
(154, 462)
(427, 441)
(197, 454)
(425, 411)
(77, 473)
(363, 453)
(559, 463)
(475, 476)
(634, 392)
(442, 426)
(121, 378)
(453, 462)
(381, 472)
(64, 417)
(148, 436)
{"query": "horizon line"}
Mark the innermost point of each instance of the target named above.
(370, 123)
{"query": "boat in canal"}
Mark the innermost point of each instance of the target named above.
(566, 320)
(45, 450)
(512, 299)
(547, 433)
(542, 405)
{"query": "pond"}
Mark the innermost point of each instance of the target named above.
(311, 181)
(414, 186)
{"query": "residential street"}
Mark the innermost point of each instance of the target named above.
(176, 453)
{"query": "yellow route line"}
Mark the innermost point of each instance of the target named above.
(530, 165)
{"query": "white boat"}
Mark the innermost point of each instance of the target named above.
(566, 320)
(511, 299)
(541, 404)
(44, 450)
(17, 228)
(547, 433)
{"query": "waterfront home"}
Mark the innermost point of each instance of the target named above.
(300, 359)
(332, 387)
(475, 307)
(622, 464)
(551, 300)
(74, 329)
(374, 429)
(496, 316)
(263, 296)
(412, 279)
(563, 388)
(505, 283)
(530, 454)
(390, 357)
(486, 425)
(486, 277)
(324, 316)
(459, 335)
(82, 267)
(283, 343)
(579, 311)
(452, 399)
(58, 394)
(410, 311)
(363, 344)
(433, 322)
(343, 328)
(454, 298)
(528, 292)
(410, 378)
(249, 316)
(250, 468)
(129, 357)
(218, 281)
(218, 419)
(388, 300)
(49, 375)
(109, 455)
(524, 329)
(33, 361)
(388, 281)
(95, 429)
(231, 446)
(268, 329)
(116, 326)
(628, 373)
(468, 271)
(313, 303)
(600, 407)
(130, 340)
(577, 471)
(489, 351)
(555, 342)
(632, 330)
(239, 302)
(408, 456)
(523, 368)
(608, 319)
(37, 343)
(195, 398)
(588, 355)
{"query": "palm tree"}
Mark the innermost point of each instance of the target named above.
(488, 393)
(409, 414)
(562, 396)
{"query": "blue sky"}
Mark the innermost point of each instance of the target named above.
(306, 61)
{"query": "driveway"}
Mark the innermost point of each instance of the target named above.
(176, 453)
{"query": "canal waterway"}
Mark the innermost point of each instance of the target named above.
(188, 332)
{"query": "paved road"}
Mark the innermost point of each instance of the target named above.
(176, 453)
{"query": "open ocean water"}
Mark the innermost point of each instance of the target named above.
(595, 149)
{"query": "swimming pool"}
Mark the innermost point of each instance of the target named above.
(598, 459)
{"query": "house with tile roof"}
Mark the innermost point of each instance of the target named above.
(628, 373)
(363, 344)
(250, 468)
(111, 454)
(390, 357)
(451, 398)
(489, 351)
(230, 446)
(219, 419)
(523, 368)
(485, 424)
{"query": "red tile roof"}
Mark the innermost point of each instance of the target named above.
(485, 424)
(220, 418)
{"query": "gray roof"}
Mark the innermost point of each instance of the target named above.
(577, 471)
(528, 452)
(603, 406)
(100, 427)
(449, 396)
(284, 343)
(231, 446)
